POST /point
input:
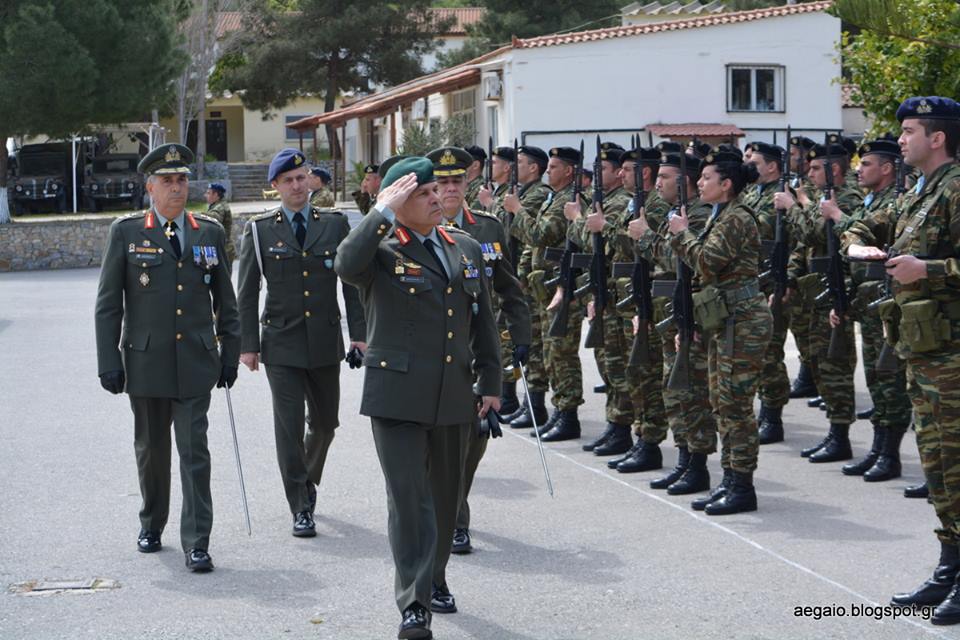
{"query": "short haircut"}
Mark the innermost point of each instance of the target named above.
(950, 128)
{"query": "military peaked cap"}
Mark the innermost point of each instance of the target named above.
(450, 161)
(167, 158)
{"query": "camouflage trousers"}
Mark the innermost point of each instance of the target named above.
(646, 389)
(774, 382)
(934, 385)
(834, 378)
(737, 361)
(561, 357)
(891, 404)
(615, 352)
(535, 368)
(697, 415)
(600, 357)
(801, 312)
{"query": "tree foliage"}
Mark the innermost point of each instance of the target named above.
(905, 48)
(419, 140)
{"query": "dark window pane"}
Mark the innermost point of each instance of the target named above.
(293, 134)
(766, 92)
(740, 90)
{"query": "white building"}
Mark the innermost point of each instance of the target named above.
(722, 76)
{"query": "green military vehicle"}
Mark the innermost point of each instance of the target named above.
(111, 179)
(44, 178)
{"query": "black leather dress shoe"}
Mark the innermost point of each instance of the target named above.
(198, 560)
(303, 525)
(415, 624)
(461, 542)
(442, 601)
(148, 541)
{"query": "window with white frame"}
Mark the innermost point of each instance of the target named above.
(755, 88)
(463, 104)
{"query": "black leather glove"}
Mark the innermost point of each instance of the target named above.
(521, 353)
(113, 381)
(489, 425)
(228, 375)
(354, 358)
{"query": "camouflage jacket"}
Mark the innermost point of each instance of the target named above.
(655, 245)
(873, 225)
(726, 253)
(473, 189)
(615, 205)
(810, 229)
(547, 227)
(220, 211)
(322, 198)
(532, 196)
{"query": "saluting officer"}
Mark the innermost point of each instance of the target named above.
(301, 344)
(431, 334)
(167, 331)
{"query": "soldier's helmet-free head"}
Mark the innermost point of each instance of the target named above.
(166, 159)
(323, 174)
(536, 154)
(727, 166)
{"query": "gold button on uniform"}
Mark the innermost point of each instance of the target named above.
(383, 363)
(306, 273)
(450, 312)
(449, 290)
(179, 287)
(179, 312)
(179, 336)
(307, 314)
(413, 290)
(304, 254)
(179, 265)
(449, 358)
(449, 335)
(306, 293)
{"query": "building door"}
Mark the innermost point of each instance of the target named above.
(216, 138)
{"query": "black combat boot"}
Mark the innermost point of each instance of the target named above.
(607, 432)
(761, 414)
(600, 388)
(613, 462)
(866, 414)
(917, 491)
(937, 588)
(567, 427)
(683, 459)
(507, 418)
(539, 412)
(838, 448)
(888, 464)
(739, 497)
(695, 478)
(546, 426)
(619, 442)
(806, 453)
(771, 426)
(646, 457)
(508, 399)
(862, 466)
(948, 611)
(815, 402)
(721, 490)
(803, 386)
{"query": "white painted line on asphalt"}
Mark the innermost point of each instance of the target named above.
(713, 523)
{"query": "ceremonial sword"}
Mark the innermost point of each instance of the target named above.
(236, 454)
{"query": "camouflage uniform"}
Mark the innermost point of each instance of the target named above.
(220, 211)
(688, 412)
(774, 382)
(548, 228)
(473, 190)
(726, 255)
(933, 214)
(612, 357)
(874, 225)
(532, 196)
(322, 198)
(364, 201)
(834, 378)
(801, 307)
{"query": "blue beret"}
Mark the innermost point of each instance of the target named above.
(929, 107)
(285, 160)
(419, 165)
(219, 188)
(322, 173)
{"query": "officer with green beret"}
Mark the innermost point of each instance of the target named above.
(369, 186)
(432, 348)
(219, 210)
(298, 336)
(450, 167)
(163, 271)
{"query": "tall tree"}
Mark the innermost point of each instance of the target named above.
(905, 48)
(325, 47)
(66, 65)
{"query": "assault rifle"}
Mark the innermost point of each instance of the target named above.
(836, 283)
(682, 300)
(598, 264)
(568, 275)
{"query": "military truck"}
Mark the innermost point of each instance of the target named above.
(113, 178)
(44, 178)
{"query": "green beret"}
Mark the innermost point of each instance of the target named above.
(167, 158)
(411, 164)
(389, 162)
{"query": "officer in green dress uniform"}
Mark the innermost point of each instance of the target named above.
(167, 332)
(432, 349)
(219, 210)
(449, 167)
(298, 336)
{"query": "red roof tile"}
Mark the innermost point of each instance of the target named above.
(672, 25)
(689, 130)
(464, 17)
(850, 96)
(228, 21)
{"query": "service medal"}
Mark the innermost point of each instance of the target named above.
(144, 279)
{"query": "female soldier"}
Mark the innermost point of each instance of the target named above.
(733, 316)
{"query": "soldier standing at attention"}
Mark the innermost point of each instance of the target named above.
(369, 186)
(433, 348)
(165, 298)
(449, 167)
(732, 314)
(298, 336)
(318, 181)
(926, 289)
(219, 210)
(475, 176)
(491, 198)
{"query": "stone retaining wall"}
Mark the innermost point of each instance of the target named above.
(64, 243)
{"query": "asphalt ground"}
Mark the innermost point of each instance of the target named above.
(606, 557)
